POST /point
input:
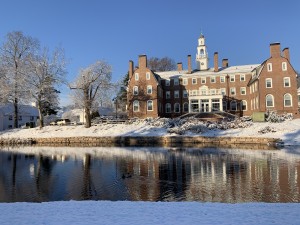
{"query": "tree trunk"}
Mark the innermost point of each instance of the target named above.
(16, 113)
(40, 115)
(87, 108)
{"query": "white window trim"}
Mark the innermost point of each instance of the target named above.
(273, 105)
(244, 77)
(176, 93)
(232, 76)
(137, 92)
(168, 104)
(242, 105)
(152, 105)
(203, 80)
(194, 79)
(267, 82)
(136, 76)
(269, 67)
(185, 94)
(177, 83)
(175, 107)
(284, 66)
(138, 106)
(213, 77)
(149, 87)
(231, 103)
(291, 100)
(168, 97)
(244, 89)
(289, 81)
(232, 88)
(147, 76)
(222, 77)
(167, 82)
(223, 89)
(185, 81)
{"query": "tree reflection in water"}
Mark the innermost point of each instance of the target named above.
(150, 174)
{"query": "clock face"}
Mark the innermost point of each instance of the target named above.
(202, 63)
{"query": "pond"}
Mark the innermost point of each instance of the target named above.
(39, 174)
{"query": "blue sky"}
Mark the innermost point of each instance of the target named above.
(118, 31)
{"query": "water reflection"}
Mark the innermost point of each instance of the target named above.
(149, 174)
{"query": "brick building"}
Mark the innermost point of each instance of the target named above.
(241, 90)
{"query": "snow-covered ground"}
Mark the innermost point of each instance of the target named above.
(288, 131)
(105, 212)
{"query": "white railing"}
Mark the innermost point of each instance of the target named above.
(205, 93)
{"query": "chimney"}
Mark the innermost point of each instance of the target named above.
(189, 64)
(130, 71)
(286, 53)
(275, 50)
(179, 66)
(142, 61)
(216, 63)
(224, 63)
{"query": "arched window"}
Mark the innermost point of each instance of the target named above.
(233, 105)
(288, 100)
(202, 53)
(269, 101)
(244, 105)
(136, 106)
(177, 108)
(150, 105)
(149, 89)
(135, 90)
(185, 107)
(168, 108)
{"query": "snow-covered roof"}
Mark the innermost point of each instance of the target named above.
(24, 110)
(209, 72)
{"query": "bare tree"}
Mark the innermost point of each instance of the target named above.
(44, 74)
(90, 83)
(13, 58)
(163, 64)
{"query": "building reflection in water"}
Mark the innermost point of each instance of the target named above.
(149, 174)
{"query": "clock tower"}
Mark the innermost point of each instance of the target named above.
(202, 55)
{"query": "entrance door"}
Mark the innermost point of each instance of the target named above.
(195, 106)
(205, 106)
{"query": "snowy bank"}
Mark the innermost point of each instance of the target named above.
(105, 212)
(288, 131)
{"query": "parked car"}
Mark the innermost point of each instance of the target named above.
(61, 122)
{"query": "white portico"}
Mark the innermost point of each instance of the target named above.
(205, 100)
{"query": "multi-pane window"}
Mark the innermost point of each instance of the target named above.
(147, 76)
(149, 89)
(269, 83)
(244, 105)
(136, 106)
(185, 107)
(168, 108)
(177, 108)
(286, 82)
(184, 81)
(150, 105)
(222, 79)
(269, 67)
(167, 82)
(223, 91)
(185, 93)
(232, 91)
(136, 75)
(135, 90)
(287, 100)
(168, 94)
(233, 105)
(284, 67)
(232, 78)
(269, 101)
(212, 91)
(242, 77)
(243, 90)
(176, 94)
(213, 79)
(203, 80)
(194, 80)
(176, 81)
